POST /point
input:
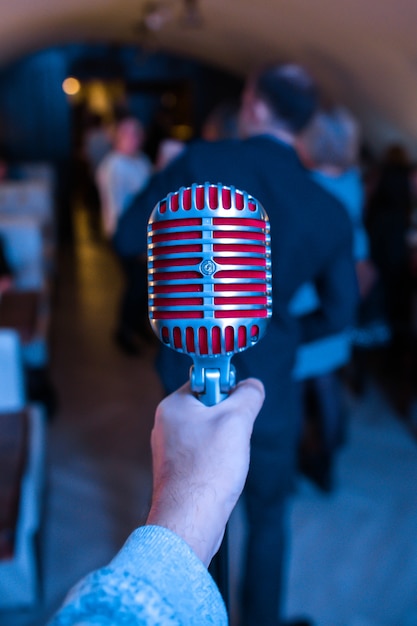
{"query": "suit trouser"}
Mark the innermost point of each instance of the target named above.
(268, 487)
(133, 312)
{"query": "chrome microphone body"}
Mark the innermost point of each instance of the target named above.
(209, 279)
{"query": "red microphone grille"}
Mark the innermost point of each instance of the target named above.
(209, 270)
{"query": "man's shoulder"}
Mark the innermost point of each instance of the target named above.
(201, 146)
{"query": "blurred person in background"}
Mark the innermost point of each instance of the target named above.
(124, 171)
(388, 219)
(221, 123)
(329, 148)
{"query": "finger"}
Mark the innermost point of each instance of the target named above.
(249, 395)
(182, 399)
(184, 390)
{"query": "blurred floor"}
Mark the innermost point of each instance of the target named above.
(353, 555)
(353, 558)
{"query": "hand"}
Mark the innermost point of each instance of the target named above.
(200, 462)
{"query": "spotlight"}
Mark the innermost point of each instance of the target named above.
(71, 86)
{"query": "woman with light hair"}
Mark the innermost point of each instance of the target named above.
(331, 140)
(329, 148)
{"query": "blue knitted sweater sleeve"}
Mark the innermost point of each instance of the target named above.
(155, 580)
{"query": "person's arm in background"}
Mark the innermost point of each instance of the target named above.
(200, 462)
(106, 180)
(338, 293)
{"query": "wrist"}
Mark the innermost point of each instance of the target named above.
(200, 529)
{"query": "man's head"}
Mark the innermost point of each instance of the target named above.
(278, 98)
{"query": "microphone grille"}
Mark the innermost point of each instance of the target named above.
(209, 270)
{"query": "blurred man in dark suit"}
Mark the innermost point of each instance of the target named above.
(311, 242)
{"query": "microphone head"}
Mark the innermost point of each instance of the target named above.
(209, 270)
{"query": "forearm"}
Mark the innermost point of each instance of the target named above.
(200, 463)
(155, 578)
(193, 524)
(339, 297)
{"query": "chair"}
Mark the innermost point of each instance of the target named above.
(24, 250)
(22, 459)
(12, 383)
(32, 199)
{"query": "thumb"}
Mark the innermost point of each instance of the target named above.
(248, 397)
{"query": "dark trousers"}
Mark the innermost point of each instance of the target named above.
(268, 488)
(133, 311)
(263, 581)
(325, 409)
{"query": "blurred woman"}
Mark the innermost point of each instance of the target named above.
(122, 173)
(329, 148)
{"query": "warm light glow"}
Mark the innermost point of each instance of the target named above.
(71, 86)
(183, 132)
(98, 97)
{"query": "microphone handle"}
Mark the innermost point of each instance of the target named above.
(212, 378)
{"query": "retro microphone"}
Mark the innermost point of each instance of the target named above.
(209, 289)
(209, 278)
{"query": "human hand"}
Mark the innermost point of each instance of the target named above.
(200, 462)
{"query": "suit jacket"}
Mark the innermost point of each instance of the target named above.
(311, 241)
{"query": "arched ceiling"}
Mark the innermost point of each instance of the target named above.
(364, 52)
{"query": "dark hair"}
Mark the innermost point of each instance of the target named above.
(290, 92)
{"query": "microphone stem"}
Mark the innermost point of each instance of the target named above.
(212, 384)
(212, 394)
